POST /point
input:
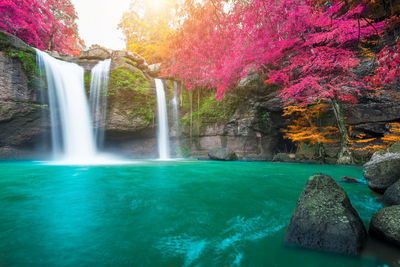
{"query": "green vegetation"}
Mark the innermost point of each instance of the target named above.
(24, 54)
(87, 79)
(31, 104)
(122, 79)
(211, 110)
(130, 88)
(28, 62)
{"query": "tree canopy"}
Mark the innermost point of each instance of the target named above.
(44, 24)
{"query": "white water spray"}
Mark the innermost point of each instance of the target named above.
(98, 98)
(163, 136)
(72, 134)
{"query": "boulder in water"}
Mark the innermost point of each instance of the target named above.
(325, 220)
(382, 171)
(385, 225)
(222, 154)
(392, 194)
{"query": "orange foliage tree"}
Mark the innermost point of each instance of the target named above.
(147, 26)
(305, 128)
(363, 143)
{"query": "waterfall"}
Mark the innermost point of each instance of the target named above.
(98, 98)
(175, 114)
(71, 126)
(162, 138)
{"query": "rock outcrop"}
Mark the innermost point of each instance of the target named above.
(385, 225)
(96, 53)
(223, 154)
(23, 118)
(324, 219)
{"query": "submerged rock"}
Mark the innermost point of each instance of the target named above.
(350, 180)
(392, 194)
(222, 154)
(324, 219)
(382, 171)
(385, 225)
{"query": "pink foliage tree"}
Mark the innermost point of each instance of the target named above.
(44, 24)
(308, 49)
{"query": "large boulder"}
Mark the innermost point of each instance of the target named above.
(392, 194)
(95, 52)
(222, 154)
(382, 171)
(324, 219)
(385, 225)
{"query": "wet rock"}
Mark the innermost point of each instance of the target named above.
(324, 219)
(350, 180)
(392, 194)
(385, 225)
(382, 171)
(222, 154)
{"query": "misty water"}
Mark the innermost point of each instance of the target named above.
(162, 213)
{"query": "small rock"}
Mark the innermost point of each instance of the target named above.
(385, 225)
(324, 219)
(347, 179)
(392, 194)
(284, 157)
(222, 154)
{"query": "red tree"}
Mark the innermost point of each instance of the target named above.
(48, 24)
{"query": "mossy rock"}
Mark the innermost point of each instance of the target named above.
(385, 225)
(381, 172)
(15, 48)
(129, 93)
(392, 194)
(325, 220)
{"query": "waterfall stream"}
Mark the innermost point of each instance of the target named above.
(72, 135)
(98, 98)
(163, 136)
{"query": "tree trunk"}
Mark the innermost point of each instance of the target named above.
(344, 155)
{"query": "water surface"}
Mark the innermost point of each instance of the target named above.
(155, 213)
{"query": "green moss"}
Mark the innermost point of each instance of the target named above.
(122, 79)
(128, 61)
(31, 104)
(130, 89)
(87, 78)
(27, 59)
(212, 110)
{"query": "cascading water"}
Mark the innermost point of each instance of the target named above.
(72, 135)
(98, 98)
(163, 136)
(175, 114)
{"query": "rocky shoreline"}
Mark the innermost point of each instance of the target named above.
(325, 220)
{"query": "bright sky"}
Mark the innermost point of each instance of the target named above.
(98, 21)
